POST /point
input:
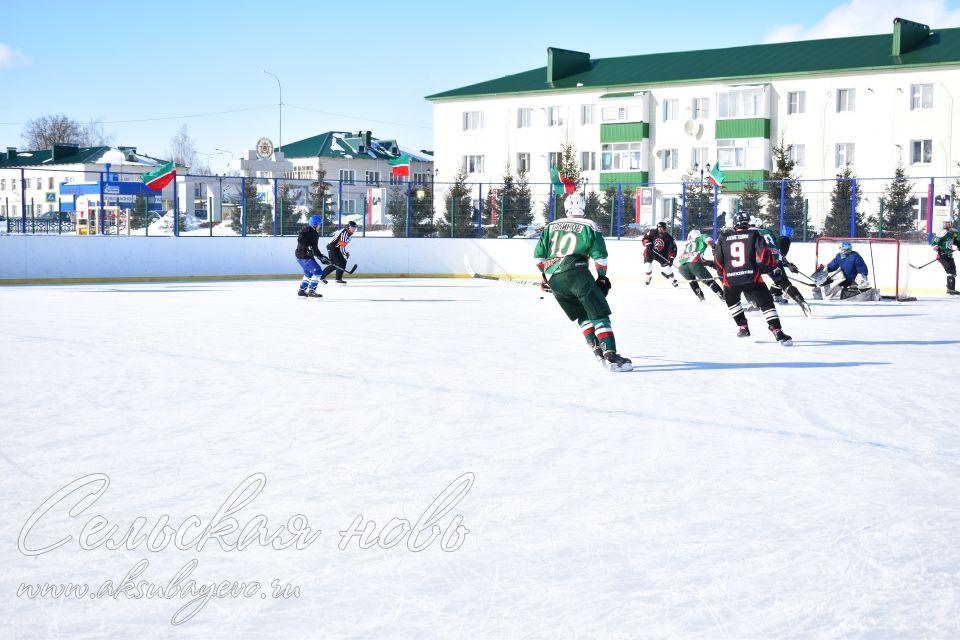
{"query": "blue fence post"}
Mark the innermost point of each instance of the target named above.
(930, 213)
(101, 201)
(277, 208)
(480, 210)
(783, 199)
(407, 232)
(853, 208)
(243, 207)
(683, 211)
(339, 202)
(23, 201)
(551, 201)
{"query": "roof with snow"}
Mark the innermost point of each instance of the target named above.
(356, 144)
(63, 154)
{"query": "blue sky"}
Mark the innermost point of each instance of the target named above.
(350, 67)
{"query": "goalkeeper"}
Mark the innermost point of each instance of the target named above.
(846, 269)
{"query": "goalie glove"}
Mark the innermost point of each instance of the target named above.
(604, 283)
(862, 282)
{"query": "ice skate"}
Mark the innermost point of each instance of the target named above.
(615, 362)
(782, 338)
(699, 296)
(647, 281)
(744, 331)
(302, 293)
(312, 293)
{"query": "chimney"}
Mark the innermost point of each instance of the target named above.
(61, 151)
(11, 153)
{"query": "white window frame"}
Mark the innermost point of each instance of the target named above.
(348, 176)
(843, 154)
(473, 164)
(669, 159)
(732, 153)
(797, 153)
(523, 162)
(921, 151)
(554, 158)
(587, 114)
(741, 103)
(700, 108)
(796, 102)
(921, 96)
(372, 177)
(588, 160)
(671, 109)
(554, 116)
(524, 118)
(472, 120)
(846, 100)
(699, 157)
(621, 156)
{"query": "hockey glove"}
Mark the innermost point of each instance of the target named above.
(323, 259)
(604, 283)
(789, 265)
(346, 256)
(710, 263)
(544, 285)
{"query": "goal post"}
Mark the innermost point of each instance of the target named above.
(885, 259)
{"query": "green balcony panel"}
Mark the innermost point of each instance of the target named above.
(629, 179)
(743, 128)
(624, 132)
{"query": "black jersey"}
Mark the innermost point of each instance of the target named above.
(663, 244)
(741, 256)
(307, 241)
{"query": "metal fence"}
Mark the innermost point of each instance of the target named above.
(202, 205)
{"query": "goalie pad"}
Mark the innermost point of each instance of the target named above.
(852, 294)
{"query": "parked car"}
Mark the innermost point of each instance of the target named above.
(54, 216)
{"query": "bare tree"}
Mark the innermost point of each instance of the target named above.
(182, 150)
(93, 135)
(45, 131)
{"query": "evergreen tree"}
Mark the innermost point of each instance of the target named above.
(569, 168)
(320, 193)
(751, 199)
(899, 216)
(138, 216)
(837, 223)
(782, 181)
(616, 206)
(292, 218)
(259, 213)
(460, 217)
(699, 203)
(513, 216)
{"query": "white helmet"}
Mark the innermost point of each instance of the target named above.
(574, 206)
(693, 235)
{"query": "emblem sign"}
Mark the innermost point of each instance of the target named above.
(264, 148)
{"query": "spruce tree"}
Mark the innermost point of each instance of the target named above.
(512, 217)
(899, 216)
(837, 223)
(460, 218)
(782, 181)
(751, 200)
(320, 193)
(699, 205)
(259, 214)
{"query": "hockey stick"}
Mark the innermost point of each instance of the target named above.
(342, 270)
(473, 274)
(929, 263)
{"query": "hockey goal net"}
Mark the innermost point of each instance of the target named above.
(889, 271)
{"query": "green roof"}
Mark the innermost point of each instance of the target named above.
(916, 44)
(339, 144)
(66, 154)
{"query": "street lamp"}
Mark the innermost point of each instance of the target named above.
(225, 151)
(280, 136)
(702, 169)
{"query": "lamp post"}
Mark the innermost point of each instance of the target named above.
(702, 169)
(225, 151)
(280, 135)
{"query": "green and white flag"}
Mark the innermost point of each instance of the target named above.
(160, 177)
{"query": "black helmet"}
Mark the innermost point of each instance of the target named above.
(741, 220)
(352, 223)
(662, 225)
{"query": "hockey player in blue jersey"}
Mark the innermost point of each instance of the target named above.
(307, 254)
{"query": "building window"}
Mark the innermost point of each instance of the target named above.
(731, 153)
(622, 114)
(50, 182)
(741, 103)
(398, 179)
(622, 156)
(921, 96)
(700, 109)
(524, 118)
(588, 160)
(586, 114)
(921, 151)
(796, 102)
(348, 206)
(472, 120)
(3, 184)
(669, 159)
(699, 157)
(372, 177)
(523, 163)
(797, 154)
(846, 99)
(473, 164)
(843, 155)
(554, 158)
(670, 109)
(554, 117)
(348, 176)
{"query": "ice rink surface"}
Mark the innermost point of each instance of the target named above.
(726, 488)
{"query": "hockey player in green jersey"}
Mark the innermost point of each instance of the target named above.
(563, 253)
(781, 283)
(943, 243)
(693, 264)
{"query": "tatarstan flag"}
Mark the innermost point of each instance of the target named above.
(561, 183)
(160, 177)
(716, 176)
(400, 166)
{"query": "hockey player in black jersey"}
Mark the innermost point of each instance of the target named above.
(659, 245)
(307, 254)
(741, 255)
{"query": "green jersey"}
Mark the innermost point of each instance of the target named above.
(693, 250)
(567, 243)
(771, 241)
(944, 238)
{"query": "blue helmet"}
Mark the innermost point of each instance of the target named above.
(314, 220)
(846, 247)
